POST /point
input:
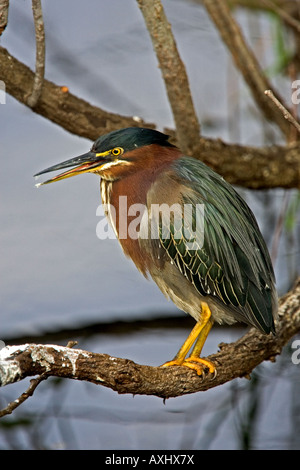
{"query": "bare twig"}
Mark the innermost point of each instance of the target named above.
(29, 392)
(290, 6)
(31, 389)
(174, 74)
(283, 14)
(245, 60)
(4, 4)
(40, 53)
(286, 114)
(71, 344)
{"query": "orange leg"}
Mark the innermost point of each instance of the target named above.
(199, 334)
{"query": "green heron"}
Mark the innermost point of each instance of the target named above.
(219, 269)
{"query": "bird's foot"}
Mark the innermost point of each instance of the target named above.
(199, 364)
(195, 363)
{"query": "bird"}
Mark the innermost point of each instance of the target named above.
(195, 236)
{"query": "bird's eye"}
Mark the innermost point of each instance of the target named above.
(117, 151)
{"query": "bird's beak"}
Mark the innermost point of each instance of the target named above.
(87, 162)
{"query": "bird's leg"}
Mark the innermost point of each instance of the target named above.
(194, 361)
(180, 356)
(199, 334)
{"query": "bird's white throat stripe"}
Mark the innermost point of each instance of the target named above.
(108, 165)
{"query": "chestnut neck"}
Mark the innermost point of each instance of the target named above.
(135, 179)
(133, 182)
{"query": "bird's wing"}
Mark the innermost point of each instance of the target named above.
(223, 254)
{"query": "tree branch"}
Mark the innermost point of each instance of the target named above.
(4, 4)
(58, 105)
(287, 115)
(245, 61)
(40, 53)
(174, 74)
(29, 392)
(124, 376)
(252, 167)
(283, 14)
(256, 168)
(289, 6)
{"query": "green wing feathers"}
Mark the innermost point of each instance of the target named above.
(229, 259)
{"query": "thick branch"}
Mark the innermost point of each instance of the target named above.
(58, 105)
(173, 72)
(124, 376)
(251, 167)
(245, 61)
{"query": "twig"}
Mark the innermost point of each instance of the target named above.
(29, 392)
(174, 74)
(291, 6)
(283, 14)
(71, 344)
(4, 4)
(245, 60)
(40, 53)
(286, 114)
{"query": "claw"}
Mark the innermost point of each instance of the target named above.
(200, 361)
(195, 363)
(198, 336)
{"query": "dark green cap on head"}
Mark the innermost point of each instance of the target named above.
(130, 138)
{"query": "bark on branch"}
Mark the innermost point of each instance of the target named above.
(4, 4)
(174, 74)
(124, 376)
(251, 167)
(289, 6)
(39, 55)
(57, 104)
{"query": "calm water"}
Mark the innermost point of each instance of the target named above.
(56, 274)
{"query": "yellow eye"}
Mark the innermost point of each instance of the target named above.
(117, 151)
